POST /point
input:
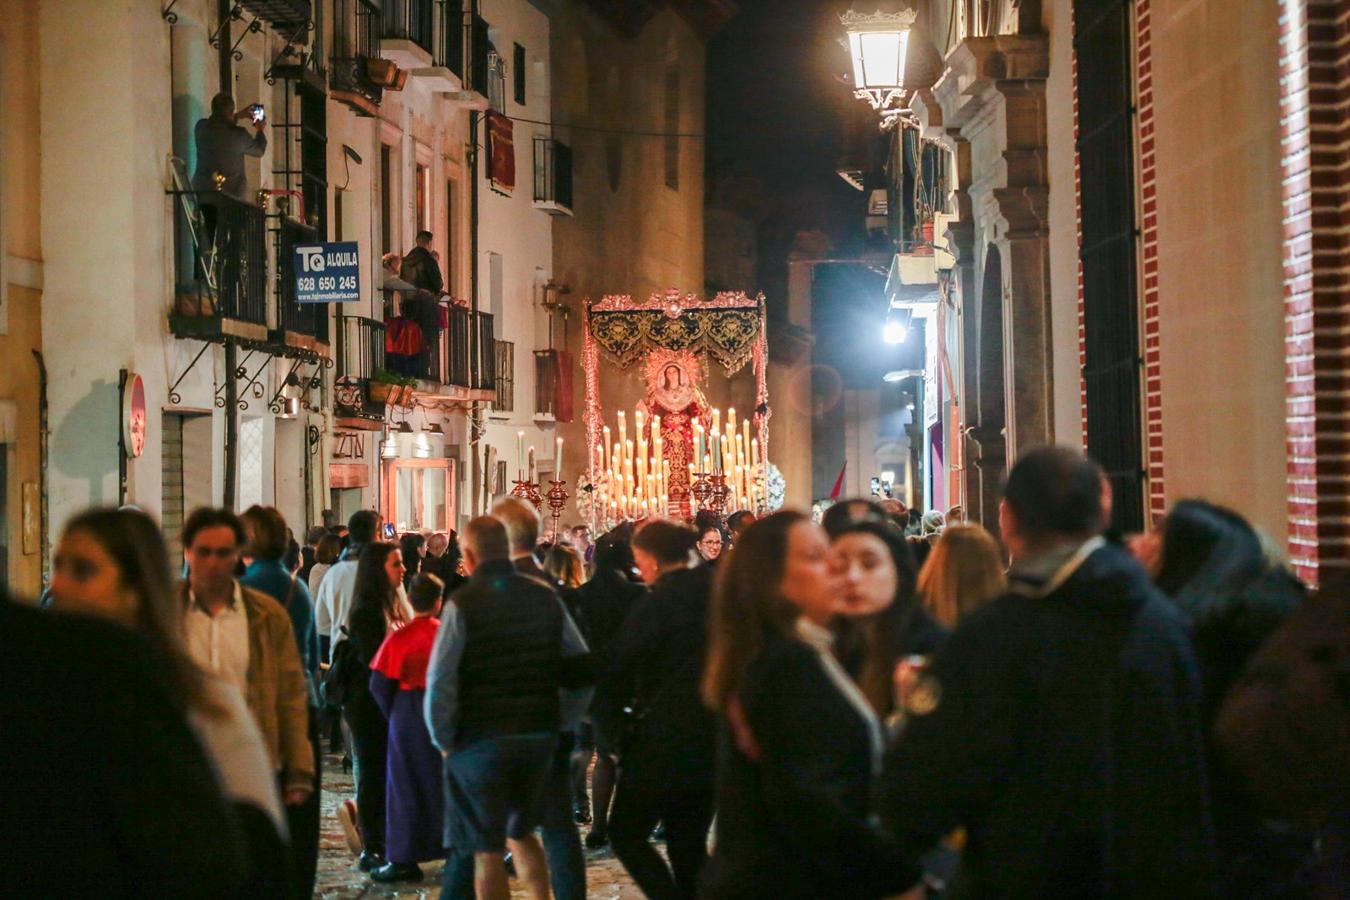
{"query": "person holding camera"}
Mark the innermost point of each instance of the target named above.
(222, 145)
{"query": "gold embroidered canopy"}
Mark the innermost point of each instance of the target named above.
(726, 327)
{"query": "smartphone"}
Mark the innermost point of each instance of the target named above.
(258, 112)
(389, 531)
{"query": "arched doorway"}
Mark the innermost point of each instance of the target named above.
(986, 448)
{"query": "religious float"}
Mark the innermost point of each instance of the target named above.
(681, 454)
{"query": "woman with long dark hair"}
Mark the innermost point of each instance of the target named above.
(112, 563)
(376, 611)
(414, 549)
(801, 744)
(881, 620)
(666, 761)
(1214, 567)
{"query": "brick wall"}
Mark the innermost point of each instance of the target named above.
(1156, 503)
(1315, 131)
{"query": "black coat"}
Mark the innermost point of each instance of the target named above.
(420, 269)
(1063, 732)
(793, 824)
(104, 789)
(661, 647)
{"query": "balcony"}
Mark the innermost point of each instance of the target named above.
(301, 326)
(359, 395)
(552, 177)
(472, 53)
(407, 34)
(221, 268)
(462, 367)
(359, 76)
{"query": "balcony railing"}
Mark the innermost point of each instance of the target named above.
(309, 319)
(220, 249)
(356, 43)
(465, 352)
(410, 20)
(552, 176)
(476, 53)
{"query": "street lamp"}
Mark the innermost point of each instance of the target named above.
(878, 42)
(897, 325)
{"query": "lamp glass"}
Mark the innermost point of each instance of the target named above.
(878, 58)
(895, 332)
(389, 448)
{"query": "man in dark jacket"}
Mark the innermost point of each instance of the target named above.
(493, 707)
(421, 269)
(105, 791)
(562, 840)
(1060, 724)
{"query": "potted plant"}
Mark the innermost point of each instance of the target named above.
(391, 389)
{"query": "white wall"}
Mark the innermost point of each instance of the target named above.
(519, 233)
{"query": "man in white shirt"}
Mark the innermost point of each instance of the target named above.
(245, 638)
(333, 603)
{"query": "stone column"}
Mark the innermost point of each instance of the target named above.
(991, 101)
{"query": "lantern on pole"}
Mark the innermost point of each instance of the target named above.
(878, 43)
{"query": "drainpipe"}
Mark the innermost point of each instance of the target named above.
(43, 422)
(475, 417)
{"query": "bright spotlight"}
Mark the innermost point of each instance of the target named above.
(895, 333)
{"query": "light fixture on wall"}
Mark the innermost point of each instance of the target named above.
(389, 447)
(896, 330)
(878, 43)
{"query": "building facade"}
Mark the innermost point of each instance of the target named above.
(1148, 247)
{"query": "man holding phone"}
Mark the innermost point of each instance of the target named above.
(222, 145)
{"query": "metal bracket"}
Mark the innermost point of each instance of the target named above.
(236, 15)
(168, 14)
(274, 405)
(174, 397)
(258, 390)
(290, 48)
(254, 27)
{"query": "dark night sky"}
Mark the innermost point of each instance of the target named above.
(778, 115)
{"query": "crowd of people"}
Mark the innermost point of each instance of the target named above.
(872, 705)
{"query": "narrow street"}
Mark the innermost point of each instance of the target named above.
(339, 879)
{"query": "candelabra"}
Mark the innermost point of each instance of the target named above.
(700, 490)
(557, 501)
(717, 494)
(528, 490)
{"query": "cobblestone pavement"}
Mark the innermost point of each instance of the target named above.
(340, 879)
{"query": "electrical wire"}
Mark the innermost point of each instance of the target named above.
(623, 132)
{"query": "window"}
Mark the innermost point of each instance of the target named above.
(423, 200)
(506, 377)
(672, 126)
(518, 59)
(386, 198)
(1109, 251)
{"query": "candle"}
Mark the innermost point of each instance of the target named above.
(698, 442)
(745, 427)
(604, 449)
(532, 479)
(754, 451)
(557, 460)
(520, 452)
(731, 420)
(717, 420)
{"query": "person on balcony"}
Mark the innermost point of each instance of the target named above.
(222, 145)
(422, 270)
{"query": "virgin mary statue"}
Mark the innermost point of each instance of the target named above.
(678, 402)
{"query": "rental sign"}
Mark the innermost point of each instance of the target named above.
(327, 273)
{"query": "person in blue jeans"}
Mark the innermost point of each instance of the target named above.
(495, 702)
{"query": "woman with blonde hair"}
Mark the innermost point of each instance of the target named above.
(564, 564)
(964, 572)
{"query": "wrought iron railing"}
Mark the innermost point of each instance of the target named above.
(360, 351)
(221, 257)
(465, 351)
(476, 53)
(410, 20)
(552, 172)
(356, 41)
(302, 318)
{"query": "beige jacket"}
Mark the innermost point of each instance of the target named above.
(277, 695)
